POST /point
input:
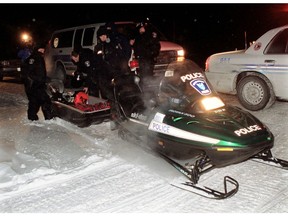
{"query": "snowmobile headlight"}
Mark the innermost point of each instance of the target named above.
(210, 103)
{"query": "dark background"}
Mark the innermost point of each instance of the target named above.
(202, 29)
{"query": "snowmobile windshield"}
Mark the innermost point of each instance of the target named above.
(184, 87)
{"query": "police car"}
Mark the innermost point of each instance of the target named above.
(257, 75)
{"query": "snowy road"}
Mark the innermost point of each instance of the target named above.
(55, 166)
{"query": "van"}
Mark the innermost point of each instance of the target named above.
(62, 42)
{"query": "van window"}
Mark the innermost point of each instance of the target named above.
(88, 36)
(78, 38)
(63, 39)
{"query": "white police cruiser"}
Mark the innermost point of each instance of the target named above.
(258, 75)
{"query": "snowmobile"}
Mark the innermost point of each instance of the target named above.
(76, 106)
(188, 124)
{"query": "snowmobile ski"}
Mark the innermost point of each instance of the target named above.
(193, 186)
(267, 158)
(209, 192)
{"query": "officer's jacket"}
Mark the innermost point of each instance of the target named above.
(147, 45)
(34, 71)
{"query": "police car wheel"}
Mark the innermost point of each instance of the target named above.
(253, 93)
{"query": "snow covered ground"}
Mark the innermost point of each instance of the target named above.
(56, 167)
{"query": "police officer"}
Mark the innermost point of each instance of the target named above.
(111, 49)
(86, 63)
(25, 52)
(146, 48)
(121, 41)
(34, 76)
(114, 63)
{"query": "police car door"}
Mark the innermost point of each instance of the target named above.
(276, 63)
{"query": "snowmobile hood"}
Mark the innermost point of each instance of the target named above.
(228, 127)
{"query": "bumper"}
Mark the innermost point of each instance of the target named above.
(10, 72)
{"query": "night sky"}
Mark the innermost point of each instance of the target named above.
(202, 29)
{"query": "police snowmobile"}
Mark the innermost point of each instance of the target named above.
(76, 106)
(191, 127)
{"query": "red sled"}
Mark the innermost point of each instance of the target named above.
(80, 109)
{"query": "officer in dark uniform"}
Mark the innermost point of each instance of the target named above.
(122, 46)
(86, 63)
(113, 64)
(146, 49)
(112, 51)
(34, 76)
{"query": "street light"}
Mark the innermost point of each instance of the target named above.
(26, 38)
